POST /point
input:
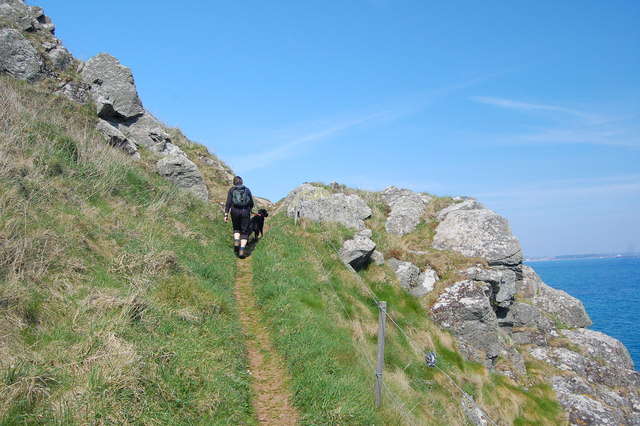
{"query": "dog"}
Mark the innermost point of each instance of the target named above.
(257, 223)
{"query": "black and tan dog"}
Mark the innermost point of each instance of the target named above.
(257, 223)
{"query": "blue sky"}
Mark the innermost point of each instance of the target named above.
(531, 107)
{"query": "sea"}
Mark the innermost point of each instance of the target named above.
(609, 289)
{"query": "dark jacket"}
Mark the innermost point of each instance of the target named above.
(229, 203)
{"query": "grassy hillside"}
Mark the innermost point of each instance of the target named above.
(117, 303)
(325, 321)
(116, 300)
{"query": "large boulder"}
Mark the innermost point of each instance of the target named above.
(302, 193)
(460, 203)
(184, 173)
(591, 370)
(600, 347)
(19, 58)
(319, 205)
(357, 251)
(567, 309)
(590, 404)
(112, 87)
(465, 309)
(406, 209)
(478, 233)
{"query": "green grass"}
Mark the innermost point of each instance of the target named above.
(117, 300)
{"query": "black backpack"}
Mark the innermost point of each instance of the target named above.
(241, 196)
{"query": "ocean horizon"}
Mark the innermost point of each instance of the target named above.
(609, 289)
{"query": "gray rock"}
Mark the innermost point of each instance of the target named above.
(600, 347)
(300, 194)
(465, 309)
(426, 282)
(414, 281)
(526, 315)
(357, 252)
(406, 272)
(466, 204)
(565, 308)
(478, 233)
(8, 15)
(515, 366)
(577, 398)
(377, 258)
(115, 138)
(502, 281)
(145, 130)
(184, 173)
(474, 414)
(76, 91)
(313, 204)
(113, 82)
(406, 209)
(526, 336)
(592, 371)
(19, 58)
(60, 58)
(218, 166)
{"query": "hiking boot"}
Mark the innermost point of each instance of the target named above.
(241, 253)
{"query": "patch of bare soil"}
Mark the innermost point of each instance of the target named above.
(272, 397)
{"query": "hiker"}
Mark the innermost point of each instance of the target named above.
(239, 203)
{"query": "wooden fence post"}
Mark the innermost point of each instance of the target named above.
(382, 320)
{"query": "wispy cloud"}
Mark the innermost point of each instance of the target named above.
(610, 186)
(570, 125)
(292, 146)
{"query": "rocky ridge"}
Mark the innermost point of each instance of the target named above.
(30, 51)
(499, 311)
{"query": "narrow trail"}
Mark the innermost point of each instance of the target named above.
(272, 397)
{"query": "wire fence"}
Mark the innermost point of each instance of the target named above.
(429, 357)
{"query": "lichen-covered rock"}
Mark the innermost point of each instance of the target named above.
(406, 209)
(478, 233)
(19, 58)
(414, 281)
(302, 193)
(76, 91)
(459, 204)
(112, 82)
(145, 130)
(578, 398)
(526, 315)
(502, 281)
(593, 371)
(377, 258)
(600, 347)
(184, 173)
(567, 309)
(115, 138)
(357, 251)
(317, 204)
(465, 309)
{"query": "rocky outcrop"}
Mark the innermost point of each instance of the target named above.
(502, 281)
(112, 87)
(19, 58)
(406, 209)
(319, 205)
(417, 283)
(465, 309)
(478, 233)
(567, 309)
(184, 173)
(115, 138)
(459, 203)
(356, 252)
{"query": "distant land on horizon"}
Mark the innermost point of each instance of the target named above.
(581, 256)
